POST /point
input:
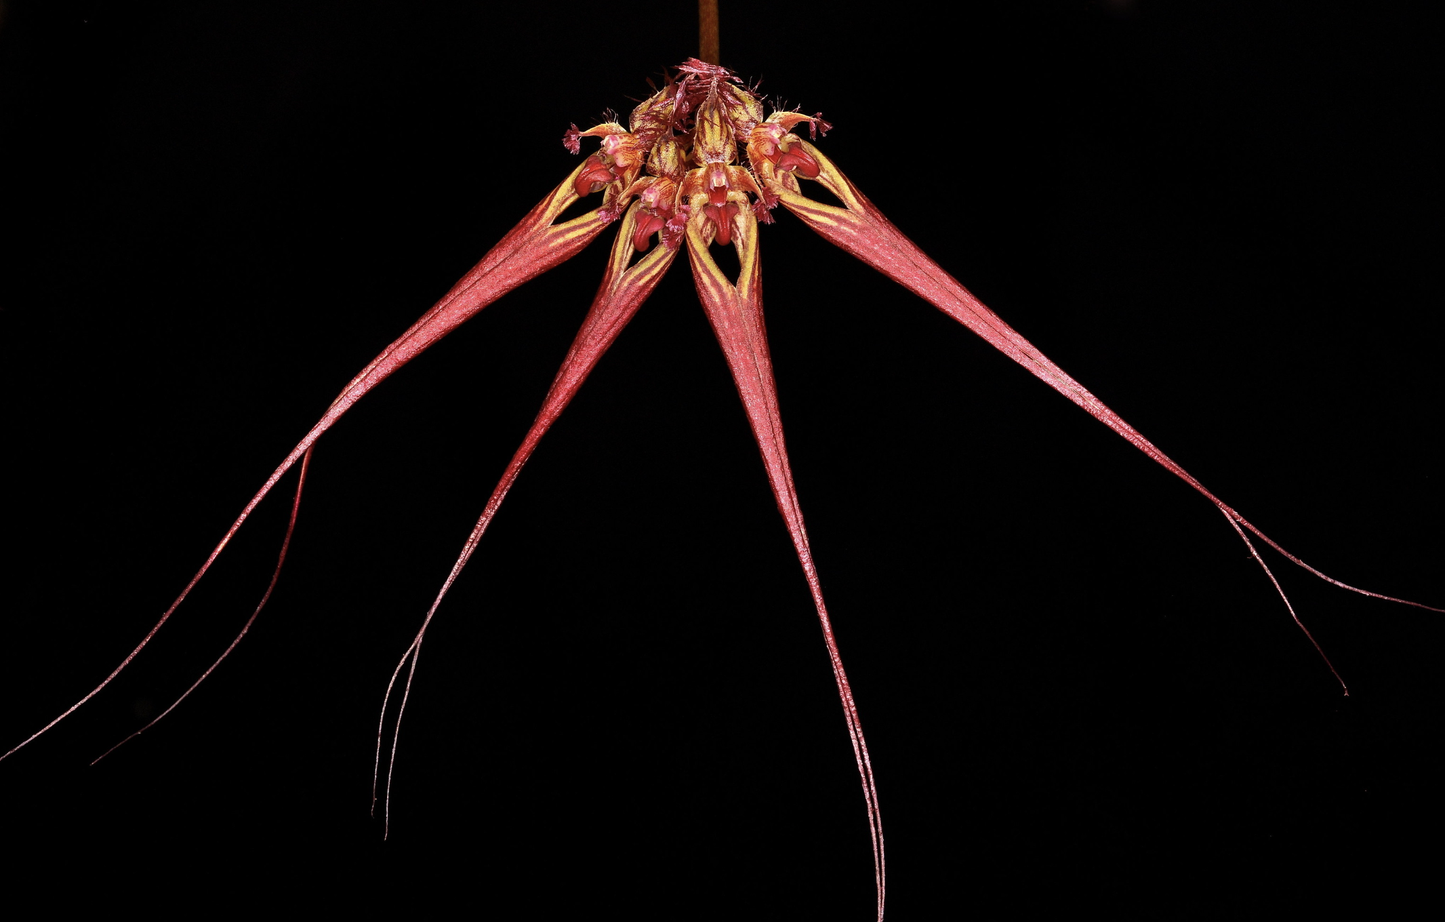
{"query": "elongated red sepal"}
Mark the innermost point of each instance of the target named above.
(736, 314)
(862, 230)
(622, 292)
(535, 245)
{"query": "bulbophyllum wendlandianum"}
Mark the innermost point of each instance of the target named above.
(700, 164)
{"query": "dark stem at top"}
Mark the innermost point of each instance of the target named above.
(707, 31)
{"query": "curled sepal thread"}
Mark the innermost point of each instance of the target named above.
(735, 311)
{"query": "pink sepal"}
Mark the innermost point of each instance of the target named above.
(735, 311)
(622, 292)
(862, 230)
(535, 245)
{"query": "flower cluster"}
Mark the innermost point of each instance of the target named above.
(675, 173)
(679, 156)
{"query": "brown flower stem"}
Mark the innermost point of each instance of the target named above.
(707, 31)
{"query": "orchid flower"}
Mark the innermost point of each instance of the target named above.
(700, 165)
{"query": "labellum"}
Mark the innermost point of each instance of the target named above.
(1020, 514)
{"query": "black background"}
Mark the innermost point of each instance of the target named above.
(1078, 689)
